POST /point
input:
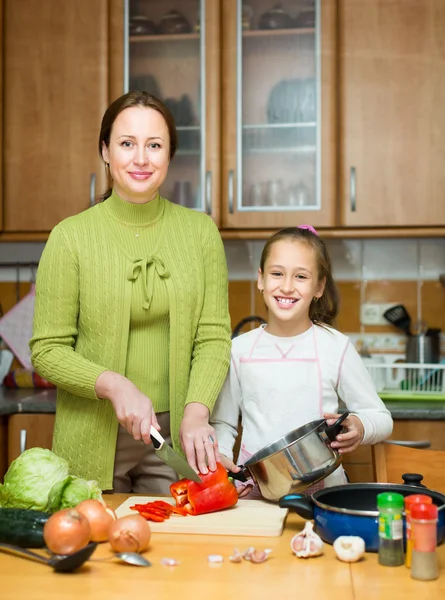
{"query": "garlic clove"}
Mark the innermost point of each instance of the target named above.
(307, 543)
(349, 548)
(236, 557)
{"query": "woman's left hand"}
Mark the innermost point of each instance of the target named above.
(350, 440)
(198, 438)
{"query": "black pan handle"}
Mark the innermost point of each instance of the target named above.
(300, 504)
(333, 430)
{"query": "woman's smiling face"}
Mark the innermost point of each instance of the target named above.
(289, 283)
(138, 153)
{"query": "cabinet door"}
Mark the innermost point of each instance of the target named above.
(392, 125)
(174, 54)
(278, 113)
(55, 93)
(29, 431)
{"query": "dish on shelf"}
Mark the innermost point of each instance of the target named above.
(140, 25)
(276, 18)
(174, 22)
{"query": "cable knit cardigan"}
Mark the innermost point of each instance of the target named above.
(81, 325)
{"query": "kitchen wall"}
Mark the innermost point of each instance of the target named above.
(366, 271)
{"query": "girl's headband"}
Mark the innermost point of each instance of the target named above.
(311, 229)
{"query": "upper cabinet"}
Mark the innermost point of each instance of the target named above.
(392, 119)
(55, 91)
(172, 50)
(278, 128)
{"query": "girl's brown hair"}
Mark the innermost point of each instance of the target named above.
(325, 309)
(129, 100)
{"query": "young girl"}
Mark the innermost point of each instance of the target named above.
(294, 369)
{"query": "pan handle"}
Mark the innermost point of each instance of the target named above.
(333, 430)
(300, 504)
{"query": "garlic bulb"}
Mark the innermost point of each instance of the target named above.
(349, 548)
(307, 543)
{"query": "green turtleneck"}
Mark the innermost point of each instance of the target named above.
(147, 355)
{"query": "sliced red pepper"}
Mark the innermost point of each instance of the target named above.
(153, 517)
(215, 492)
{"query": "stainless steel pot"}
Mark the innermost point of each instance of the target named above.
(423, 348)
(295, 461)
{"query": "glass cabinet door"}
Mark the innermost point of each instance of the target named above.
(169, 50)
(275, 100)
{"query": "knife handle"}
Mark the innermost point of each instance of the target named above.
(156, 438)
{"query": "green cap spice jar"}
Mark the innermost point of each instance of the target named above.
(390, 506)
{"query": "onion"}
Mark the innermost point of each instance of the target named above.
(66, 531)
(129, 534)
(99, 517)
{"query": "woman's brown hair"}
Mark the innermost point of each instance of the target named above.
(128, 100)
(325, 309)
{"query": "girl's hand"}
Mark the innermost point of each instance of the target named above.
(133, 409)
(243, 489)
(198, 438)
(349, 441)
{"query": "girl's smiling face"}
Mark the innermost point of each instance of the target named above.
(138, 153)
(289, 284)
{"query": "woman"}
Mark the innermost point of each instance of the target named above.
(131, 317)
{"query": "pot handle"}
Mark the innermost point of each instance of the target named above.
(300, 504)
(333, 430)
(241, 475)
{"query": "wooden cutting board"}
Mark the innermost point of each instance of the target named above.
(248, 517)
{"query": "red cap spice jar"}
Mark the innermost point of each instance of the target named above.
(409, 501)
(424, 563)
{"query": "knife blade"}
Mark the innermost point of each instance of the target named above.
(172, 458)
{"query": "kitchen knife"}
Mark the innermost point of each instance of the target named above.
(172, 458)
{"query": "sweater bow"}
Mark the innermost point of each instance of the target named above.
(146, 267)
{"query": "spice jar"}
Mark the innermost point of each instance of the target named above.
(409, 501)
(424, 564)
(390, 506)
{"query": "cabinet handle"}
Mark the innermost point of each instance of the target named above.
(353, 189)
(410, 443)
(92, 189)
(231, 178)
(208, 194)
(23, 434)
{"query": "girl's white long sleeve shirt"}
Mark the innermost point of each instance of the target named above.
(278, 384)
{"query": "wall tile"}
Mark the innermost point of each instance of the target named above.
(349, 315)
(390, 259)
(432, 258)
(346, 259)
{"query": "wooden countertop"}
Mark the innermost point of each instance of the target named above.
(282, 576)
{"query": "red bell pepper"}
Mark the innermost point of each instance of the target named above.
(216, 492)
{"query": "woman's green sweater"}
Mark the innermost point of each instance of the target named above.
(82, 314)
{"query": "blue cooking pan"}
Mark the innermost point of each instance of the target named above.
(352, 510)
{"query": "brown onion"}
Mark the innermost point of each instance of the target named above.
(66, 531)
(98, 517)
(129, 534)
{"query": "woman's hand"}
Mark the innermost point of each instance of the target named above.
(198, 438)
(133, 409)
(349, 441)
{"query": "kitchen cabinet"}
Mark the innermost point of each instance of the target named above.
(175, 55)
(392, 125)
(257, 135)
(55, 91)
(29, 431)
(358, 464)
(279, 107)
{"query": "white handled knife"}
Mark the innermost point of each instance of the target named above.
(172, 458)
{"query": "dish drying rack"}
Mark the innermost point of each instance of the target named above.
(408, 381)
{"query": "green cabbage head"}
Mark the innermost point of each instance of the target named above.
(30, 478)
(40, 480)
